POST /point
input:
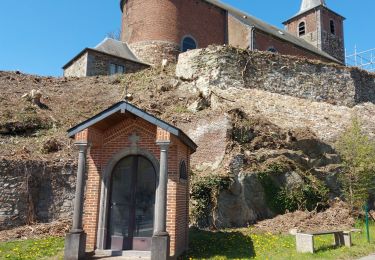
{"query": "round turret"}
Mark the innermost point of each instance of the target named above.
(158, 29)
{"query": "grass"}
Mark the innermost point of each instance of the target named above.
(45, 248)
(243, 244)
(226, 244)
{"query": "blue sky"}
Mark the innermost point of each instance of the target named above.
(40, 36)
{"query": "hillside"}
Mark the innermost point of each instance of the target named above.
(256, 133)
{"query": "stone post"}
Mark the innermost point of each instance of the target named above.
(75, 241)
(160, 238)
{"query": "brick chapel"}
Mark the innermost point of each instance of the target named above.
(132, 190)
(153, 30)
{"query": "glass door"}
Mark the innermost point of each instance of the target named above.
(132, 201)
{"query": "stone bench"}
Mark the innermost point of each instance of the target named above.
(305, 241)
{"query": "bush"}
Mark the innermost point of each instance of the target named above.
(309, 195)
(358, 155)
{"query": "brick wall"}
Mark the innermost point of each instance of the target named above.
(168, 21)
(311, 26)
(263, 42)
(239, 35)
(318, 31)
(105, 144)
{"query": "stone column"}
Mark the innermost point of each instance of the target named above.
(75, 241)
(160, 238)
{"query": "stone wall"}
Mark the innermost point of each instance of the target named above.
(98, 64)
(263, 42)
(225, 68)
(78, 68)
(153, 52)
(35, 191)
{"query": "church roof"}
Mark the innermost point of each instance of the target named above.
(114, 113)
(111, 47)
(270, 29)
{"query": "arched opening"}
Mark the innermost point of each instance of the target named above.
(332, 27)
(301, 29)
(131, 204)
(188, 43)
(183, 171)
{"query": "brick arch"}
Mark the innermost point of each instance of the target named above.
(105, 183)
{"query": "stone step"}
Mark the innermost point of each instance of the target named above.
(124, 255)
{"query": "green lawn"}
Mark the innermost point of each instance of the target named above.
(226, 244)
(243, 244)
(45, 248)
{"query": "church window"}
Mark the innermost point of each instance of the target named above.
(116, 69)
(302, 29)
(332, 26)
(183, 171)
(188, 43)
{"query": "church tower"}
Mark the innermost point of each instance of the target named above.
(320, 26)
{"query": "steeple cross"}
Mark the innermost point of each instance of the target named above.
(134, 139)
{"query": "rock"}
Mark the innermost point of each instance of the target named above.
(199, 105)
(164, 63)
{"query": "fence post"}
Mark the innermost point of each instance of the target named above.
(367, 223)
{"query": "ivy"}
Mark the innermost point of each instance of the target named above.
(204, 193)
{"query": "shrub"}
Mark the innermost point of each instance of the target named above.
(358, 155)
(308, 195)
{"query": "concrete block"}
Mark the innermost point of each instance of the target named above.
(160, 247)
(348, 239)
(305, 243)
(75, 246)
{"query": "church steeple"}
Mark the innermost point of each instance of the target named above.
(320, 26)
(307, 5)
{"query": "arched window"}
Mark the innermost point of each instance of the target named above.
(183, 171)
(301, 29)
(332, 26)
(188, 43)
(272, 49)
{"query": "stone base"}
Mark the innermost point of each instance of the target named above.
(160, 247)
(75, 245)
(153, 52)
(305, 243)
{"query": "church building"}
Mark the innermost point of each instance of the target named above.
(153, 30)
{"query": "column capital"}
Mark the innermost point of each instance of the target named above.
(82, 145)
(163, 144)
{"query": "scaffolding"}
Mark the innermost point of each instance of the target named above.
(364, 59)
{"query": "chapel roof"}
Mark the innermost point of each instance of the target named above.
(113, 114)
(110, 47)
